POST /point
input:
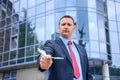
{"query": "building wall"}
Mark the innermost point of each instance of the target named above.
(0, 76)
(30, 74)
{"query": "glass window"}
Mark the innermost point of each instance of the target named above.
(31, 3)
(93, 30)
(101, 28)
(40, 1)
(92, 4)
(31, 12)
(1, 41)
(118, 11)
(59, 3)
(115, 59)
(30, 32)
(99, 5)
(94, 46)
(111, 10)
(119, 26)
(104, 56)
(15, 29)
(29, 59)
(16, 6)
(0, 58)
(6, 56)
(9, 75)
(2, 23)
(21, 53)
(117, 0)
(40, 9)
(23, 5)
(8, 21)
(50, 5)
(40, 29)
(50, 28)
(112, 26)
(95, 55)
(22, 32)
(30, 51)
(14, 42)
(71, 2)
(13, 55)
(7, 40)
(114, 42)
(103, 48)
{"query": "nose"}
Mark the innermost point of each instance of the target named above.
(66, 26)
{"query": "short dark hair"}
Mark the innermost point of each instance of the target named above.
(67, 16)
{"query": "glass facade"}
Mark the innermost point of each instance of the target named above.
(27, 24)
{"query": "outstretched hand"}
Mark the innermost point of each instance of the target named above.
(45, 61)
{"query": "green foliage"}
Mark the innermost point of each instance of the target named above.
(114, 71)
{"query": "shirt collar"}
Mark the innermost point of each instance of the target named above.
(65, 41)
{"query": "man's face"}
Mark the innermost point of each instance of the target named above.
(66, 27)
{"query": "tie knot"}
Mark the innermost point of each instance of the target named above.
(69, 43)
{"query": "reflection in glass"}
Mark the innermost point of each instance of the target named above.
(50, 5)
(40, 8)
(40, 1)
(94, 46)
(59, 3)
(114, 42)
(112, 26)
(103, 48)
(30, 32)
(23, 4)
(6, 56)
(30, 51)
(40, 30)
(119, 27)
(29, 59)
(71, 2)
(22, 32)
(111, 10)
(93, 30)
(92, 4)
(115, 58)
(0, 57)
(13, 55)
(31, 12)
(50, 28)
(1, 41)
(21, 53)
(15, 29)
(95, 55)
(31, 3)
(14, 42)
(118, 11)
(101, 28)
(16, 6)
(7, 40)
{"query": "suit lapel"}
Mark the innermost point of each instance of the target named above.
(62, 45)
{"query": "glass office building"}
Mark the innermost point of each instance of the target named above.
(27, 24)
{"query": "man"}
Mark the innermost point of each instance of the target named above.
(65, 69)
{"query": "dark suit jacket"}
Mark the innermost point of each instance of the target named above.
(62, 69)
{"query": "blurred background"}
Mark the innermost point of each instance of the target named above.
(27, 24)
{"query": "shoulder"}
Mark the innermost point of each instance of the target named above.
(79, 46)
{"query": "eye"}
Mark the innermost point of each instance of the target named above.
(69, 24)
(63, 24)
